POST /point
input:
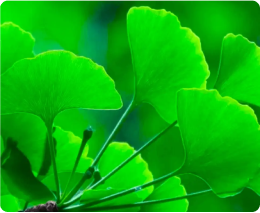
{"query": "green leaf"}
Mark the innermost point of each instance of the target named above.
(93, 195)
(9, 203)
(169, 189)
(67, 150)
(54, 81)
(133, 174)
(17, 175)
(16, 44)
(239, 71)
(221, 138)
(166, 57)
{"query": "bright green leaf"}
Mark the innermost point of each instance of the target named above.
(17, 175)
(54, 81)
(133, 174)
(93, 195)
(166, 57)
(239, 71)
(169, 189)
(221, 138)
(9, 203)
(67, 150)
(16, 44)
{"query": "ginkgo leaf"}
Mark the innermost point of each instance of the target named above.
(16, 44)
(54, 81)
(67, 148)
(169, 189)
(221, 139)
(135, 173)
(239, 70)
(166, 57)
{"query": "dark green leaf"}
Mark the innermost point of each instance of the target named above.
(17, 174)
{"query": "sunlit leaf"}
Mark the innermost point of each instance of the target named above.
(169, 189)
(239, 72)
(54, 81)
(16, 44)
(221, 138)
(67, 150)
(133, 174)
(254, 184)
(166, 57)
(93, 195)
(17, 175)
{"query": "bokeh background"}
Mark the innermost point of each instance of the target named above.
(98, 30)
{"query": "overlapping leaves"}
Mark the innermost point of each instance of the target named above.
(221, 136)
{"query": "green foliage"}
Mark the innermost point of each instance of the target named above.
(18, 177)
(224, 150)
(54, 81)
(136, 171)
(239, 73)
(219, 136)
(170, 188)
(166, 57)
(16, 44)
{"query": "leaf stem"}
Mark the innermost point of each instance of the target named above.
(122, 193)
(86, 136)
(91, 169)
(113, 133)
(52, 152)
(144, 203)
(156, 137)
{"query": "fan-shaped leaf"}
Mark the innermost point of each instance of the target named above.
(54, 81)
(221, 138)
(239, 71)
(166, 57)
(133, 174)
(169, 189)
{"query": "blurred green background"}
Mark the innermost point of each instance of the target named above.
(98, 30)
